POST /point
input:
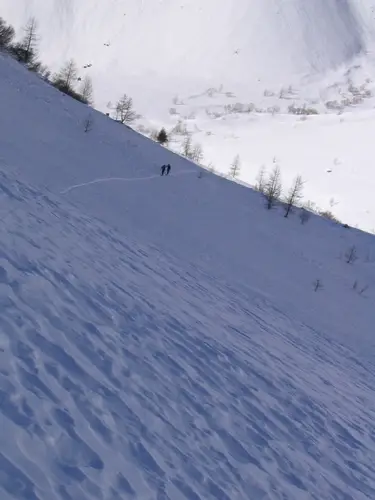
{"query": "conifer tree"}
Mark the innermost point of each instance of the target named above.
(162, 136)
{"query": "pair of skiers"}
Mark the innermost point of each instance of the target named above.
(165, 169)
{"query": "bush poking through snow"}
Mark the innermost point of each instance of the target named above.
(351, 255)
(304, 215)
(327, 214)
(359, 289)
(88, 124)
(304, 110)
(318, 285)
(363, 289)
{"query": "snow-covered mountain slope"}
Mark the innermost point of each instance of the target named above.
(160, 336)
(211, 41)
(263, 55)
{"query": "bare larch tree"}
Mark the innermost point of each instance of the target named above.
(26, 50)
(87, 90)
(294, 195)
(124, 110)
(272, 189)
(187, 147)
(235, 167)
(261, 180)
(197, 153)
(67, 76)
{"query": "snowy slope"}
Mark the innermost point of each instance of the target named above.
(160, 337)
(311, 53)
(125, 374)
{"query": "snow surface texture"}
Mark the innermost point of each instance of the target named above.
(315, 53)
(160, 337)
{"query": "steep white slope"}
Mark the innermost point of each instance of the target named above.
(126, 373)
(125, 168)
(199, 43)
(177, 349)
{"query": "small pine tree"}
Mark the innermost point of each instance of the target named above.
(162, 137)
(235, 167)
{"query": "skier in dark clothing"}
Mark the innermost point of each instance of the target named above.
(162, 168)
(168, 168)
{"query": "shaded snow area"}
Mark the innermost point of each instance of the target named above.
(161, 337)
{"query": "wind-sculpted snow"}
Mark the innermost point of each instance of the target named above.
(126, 373)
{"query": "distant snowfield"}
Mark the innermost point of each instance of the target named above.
(156, 51)
(160, 337)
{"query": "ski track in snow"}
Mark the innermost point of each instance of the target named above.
(123, 179)
(126, 375)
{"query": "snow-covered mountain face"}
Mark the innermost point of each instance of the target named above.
(202, 63)
(246, 43)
